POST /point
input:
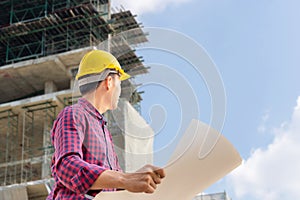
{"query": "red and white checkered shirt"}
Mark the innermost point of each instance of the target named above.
(83, 150)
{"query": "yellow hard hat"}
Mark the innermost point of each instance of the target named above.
(97, 61)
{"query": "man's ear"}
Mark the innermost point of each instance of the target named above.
(108, 82)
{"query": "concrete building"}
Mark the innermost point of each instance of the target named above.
(41, 45)
(214, 196)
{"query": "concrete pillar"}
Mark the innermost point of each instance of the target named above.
(135, 144)
(72, 82)
(50, 87)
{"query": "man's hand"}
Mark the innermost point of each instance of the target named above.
(144, 180)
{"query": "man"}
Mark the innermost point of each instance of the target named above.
(84, 162)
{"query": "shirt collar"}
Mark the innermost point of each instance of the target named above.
(91, 109)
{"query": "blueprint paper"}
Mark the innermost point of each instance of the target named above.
(202, 157)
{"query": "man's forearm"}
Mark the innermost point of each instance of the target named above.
(109, 179)
(145, 180)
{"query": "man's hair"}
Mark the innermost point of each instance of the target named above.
(90, 87)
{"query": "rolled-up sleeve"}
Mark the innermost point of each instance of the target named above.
(69, 167)
(76, 174)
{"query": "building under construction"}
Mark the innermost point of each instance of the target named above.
(214, 196)
(41, 45)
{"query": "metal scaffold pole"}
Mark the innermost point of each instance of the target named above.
(10, 171)
(28, 129)
(49, 117)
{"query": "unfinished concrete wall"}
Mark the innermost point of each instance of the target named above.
(137, 135)
(35, 190)
(14, 193)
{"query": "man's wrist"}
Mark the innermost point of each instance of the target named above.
(121, 180)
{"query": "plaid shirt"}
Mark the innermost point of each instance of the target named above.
(83, 150)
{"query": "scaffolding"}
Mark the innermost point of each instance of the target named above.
(36, 148)
(40, 28)
(48, 27)
(30, 10)
(8, 173)
(59, 31)
(42, 41)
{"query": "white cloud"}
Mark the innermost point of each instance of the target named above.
(146, 6)
(272, 173)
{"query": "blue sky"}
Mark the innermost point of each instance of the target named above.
(256, 48)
